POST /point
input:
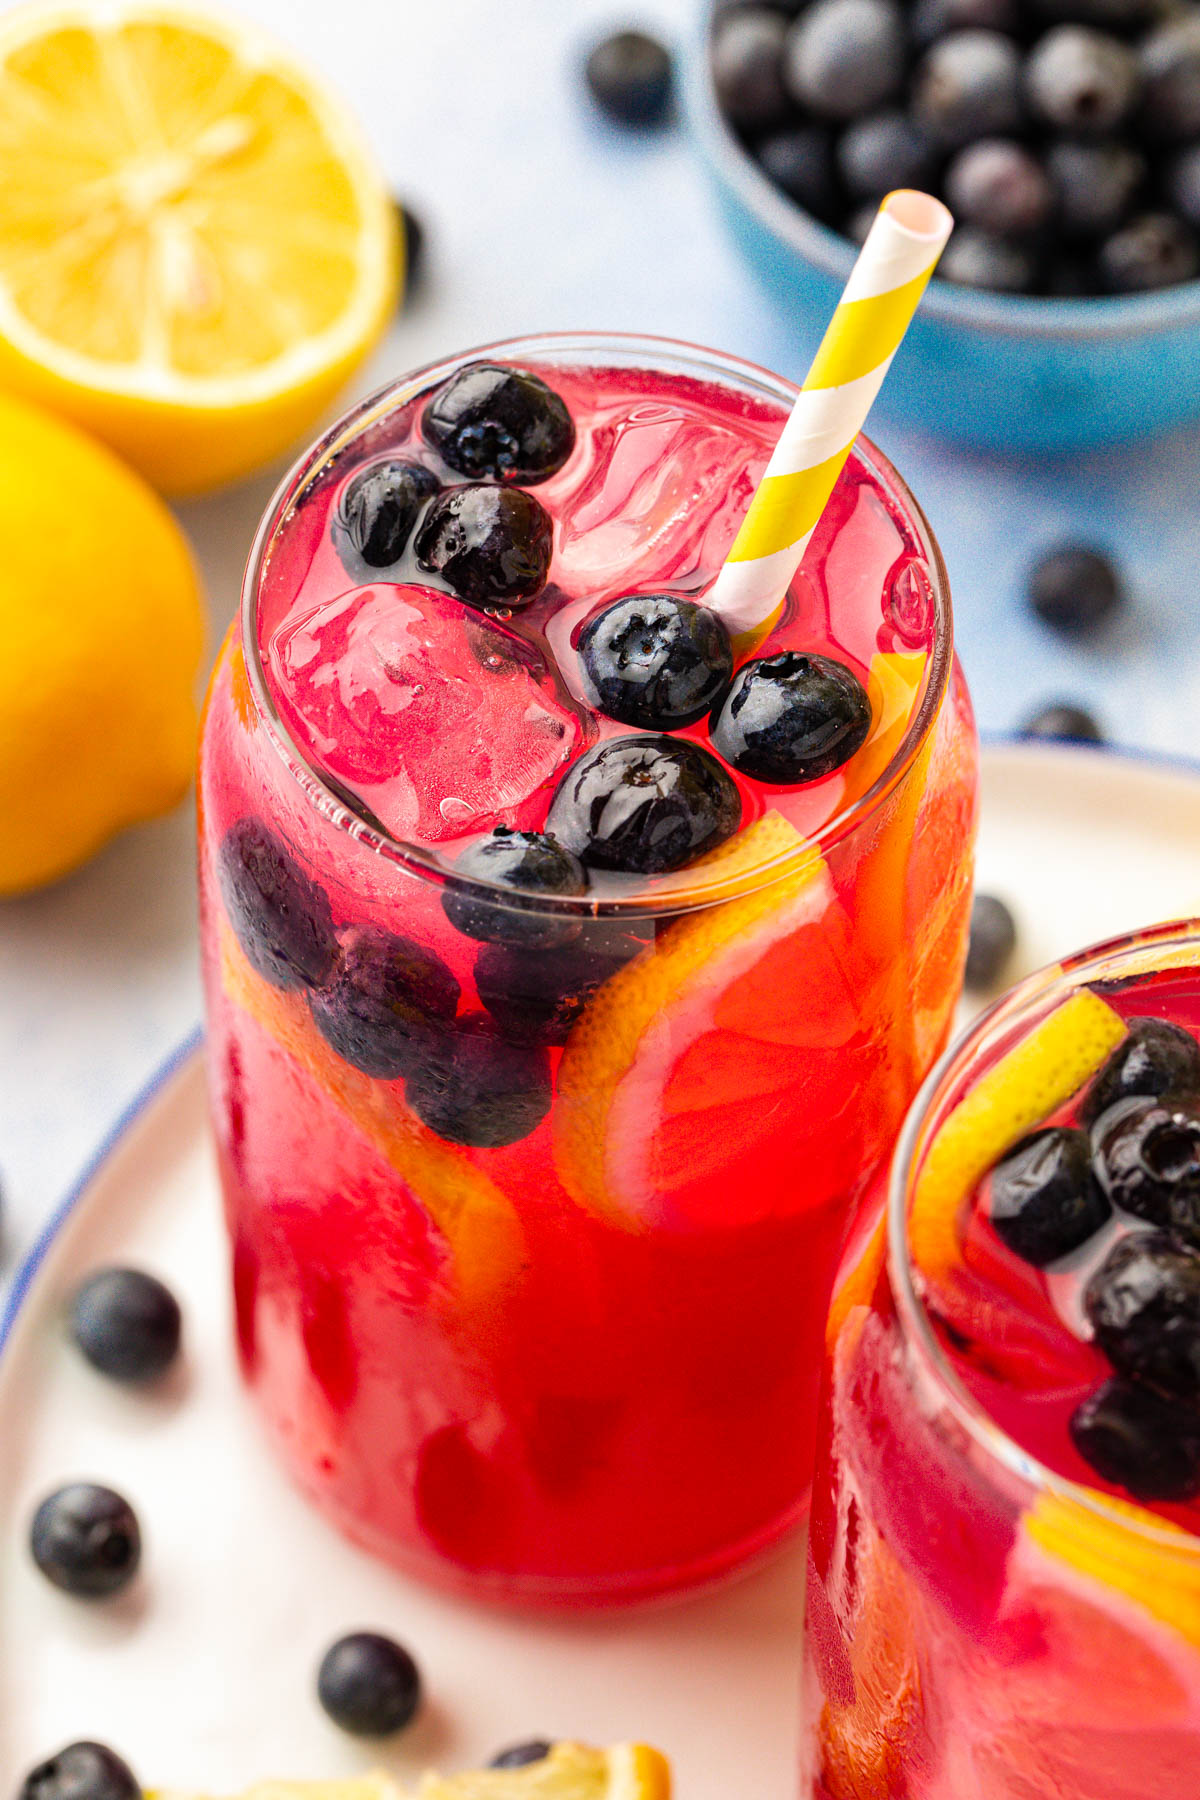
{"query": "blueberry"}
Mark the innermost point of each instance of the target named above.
(1156, 1061)
(968, 86)
(992, 941)
(127, 1324)
(629, 75)
(519, 1756)
(368, 1684)
(791, 718)
(491, 545)
(1139, 1440)
(845, 57)
(883, 151)
(281, 918)
(85, 1539)
(1147, 1158)
(377, 511)
(413, 232)
(1153, 251)
(1074, 588)
(1183, 184)
(656, 662)
(1170, 59)
(932, 19)
(1143, 1303)
(529, 863)
(1044, 1200)
(800, 162)
(1081, 81)
(535, 997)
(494, 421)
(1000, 186)
(83, 1771)
(1094, 185)
(979, 259)
(386, 1003)
(747, 68)
(1064, 721)
(644, 805)
(480, 1090)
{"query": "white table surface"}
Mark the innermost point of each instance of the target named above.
(543, 216)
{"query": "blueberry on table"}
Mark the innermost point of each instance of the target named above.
(800, 163)
(1081, 81)
(387, 1001)
(481, 1090)
(83, 1771)
(992, 940)
(281, 919)
(519, 1756)
(1000, 186)
(1147, 1159)
(368, 1684)
(533, 865)
(491, 545)
(882, 151)
(1074, 588)
(747, 68)
(1154, 250)
(85, 1539)
(968, 86)
(1043, 1199)
(1063, 722)
(500, 423)
(1143, 1303)
(980, 259)
(644, 805)
(377, 511)
(1139, 1440)
(791, 718)
(845, 57)
(629, 76)
(127, 1324)
(1156, 1060)
(654, 661)
(414, 246)
(1095, 185)
(1170, 60)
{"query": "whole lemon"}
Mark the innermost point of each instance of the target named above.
(101, 632)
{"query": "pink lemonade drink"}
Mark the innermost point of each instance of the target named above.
(1004, 1592)
(569, 967)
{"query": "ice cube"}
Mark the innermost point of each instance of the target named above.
(442, 721)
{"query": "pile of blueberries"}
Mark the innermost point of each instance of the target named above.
(1064, 135)
(1135, 1157)
(643, 803)
(86, 1540)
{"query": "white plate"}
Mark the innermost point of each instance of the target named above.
(204, 1676)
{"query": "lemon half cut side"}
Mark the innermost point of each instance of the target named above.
(196, 245)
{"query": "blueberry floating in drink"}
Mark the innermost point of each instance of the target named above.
(499, 423)
(1143, 1303)
(1157, 1060)
(792, 718)
(386, 1002)
(281, 916)
(1045, 1200)
(655, 662)
(378, 509)
(479, 1089)
(644, 805)
(533, 866)
(491, 545)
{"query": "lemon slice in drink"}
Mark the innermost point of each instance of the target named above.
(196, 247)
(569, 1772)
(1016, 1095)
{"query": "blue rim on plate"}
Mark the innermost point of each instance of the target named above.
(31, 1263)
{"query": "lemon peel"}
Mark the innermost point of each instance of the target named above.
(1160, 1573)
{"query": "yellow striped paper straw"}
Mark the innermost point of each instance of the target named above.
(881, 296)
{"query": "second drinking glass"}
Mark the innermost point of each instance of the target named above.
(564, 998)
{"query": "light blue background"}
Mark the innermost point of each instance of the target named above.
(542, 216)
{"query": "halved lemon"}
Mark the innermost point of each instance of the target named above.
(569, 1772)
(196, 246)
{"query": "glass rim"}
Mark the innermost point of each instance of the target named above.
(350, 815)
(1147, 950)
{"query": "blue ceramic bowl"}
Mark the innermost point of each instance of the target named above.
(997, 370)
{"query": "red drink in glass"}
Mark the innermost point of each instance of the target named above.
(1004, 1592)
(538, 1312)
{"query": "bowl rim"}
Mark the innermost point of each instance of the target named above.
(1095, 317)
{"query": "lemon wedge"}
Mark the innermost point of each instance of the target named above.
(569, 1772)
(196, 247)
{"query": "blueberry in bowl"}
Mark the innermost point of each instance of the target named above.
(1065, 138)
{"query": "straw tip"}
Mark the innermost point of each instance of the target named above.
(919, 213)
